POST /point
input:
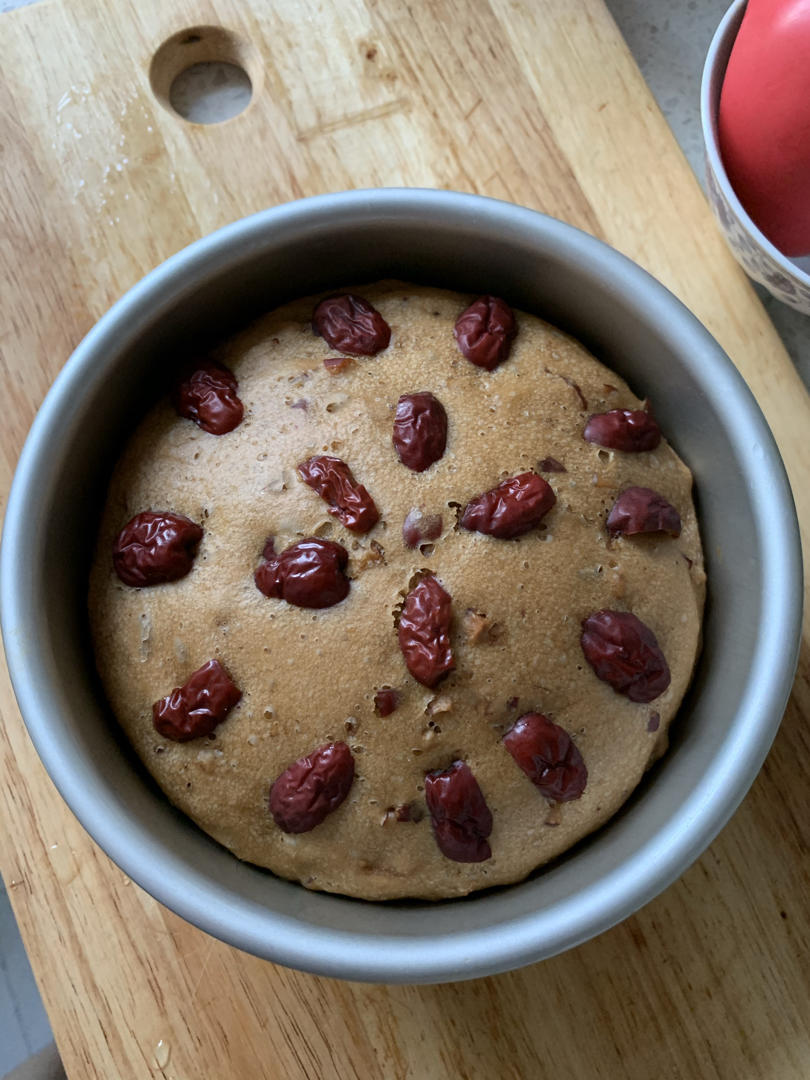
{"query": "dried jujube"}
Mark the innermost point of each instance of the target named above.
(155, 547)
(461, 819)
(312, 788)
(424, 632)
(624, 652)
(512, 508)
(642, 510)
(630, 430)
(420, 430)
(351, 324)
(194, 709)
(485, 330)
(348, 501)
(308, 574)
(208, 397)
(548, 755)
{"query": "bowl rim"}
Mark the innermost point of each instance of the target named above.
(710, 87)
(503, 945)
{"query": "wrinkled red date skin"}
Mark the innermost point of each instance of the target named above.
(420, 430)
(312, 787)
(194, 709)
(624, 653)
(510, 509)
(208, 397)
(460, 816)
(350, 324)
(308, 574)
(155, 547)
(420, 528)
(348, 501)
(632, 431)
(548, 756)
(485, 331)
(642, 510)
(386, 702)
(424, 632)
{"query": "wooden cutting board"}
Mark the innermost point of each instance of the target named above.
(536, 101)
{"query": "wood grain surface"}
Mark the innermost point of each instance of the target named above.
(536, 101)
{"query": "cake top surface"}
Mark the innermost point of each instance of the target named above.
(310, 677)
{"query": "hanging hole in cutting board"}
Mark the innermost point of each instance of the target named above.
(206, 74)
(209, 93)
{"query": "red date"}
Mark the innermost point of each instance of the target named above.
(642, 510)
(548, 756)
(510, 509)
(624, 653)
(208, 397)
(420, 528)
(312, 788)
(424, 632)
(308, 574)
(194, 709)
(459, 813)
(420, 430)
(386, 701)
(623, 429)
(350, 324)
(348, 501)
(155, 547)
(550, 464)
(485, 331)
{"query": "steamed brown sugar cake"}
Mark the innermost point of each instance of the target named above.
(403, 606)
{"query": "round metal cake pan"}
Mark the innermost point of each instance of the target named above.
(632, 323)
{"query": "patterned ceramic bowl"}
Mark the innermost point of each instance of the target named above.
(786, 279)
